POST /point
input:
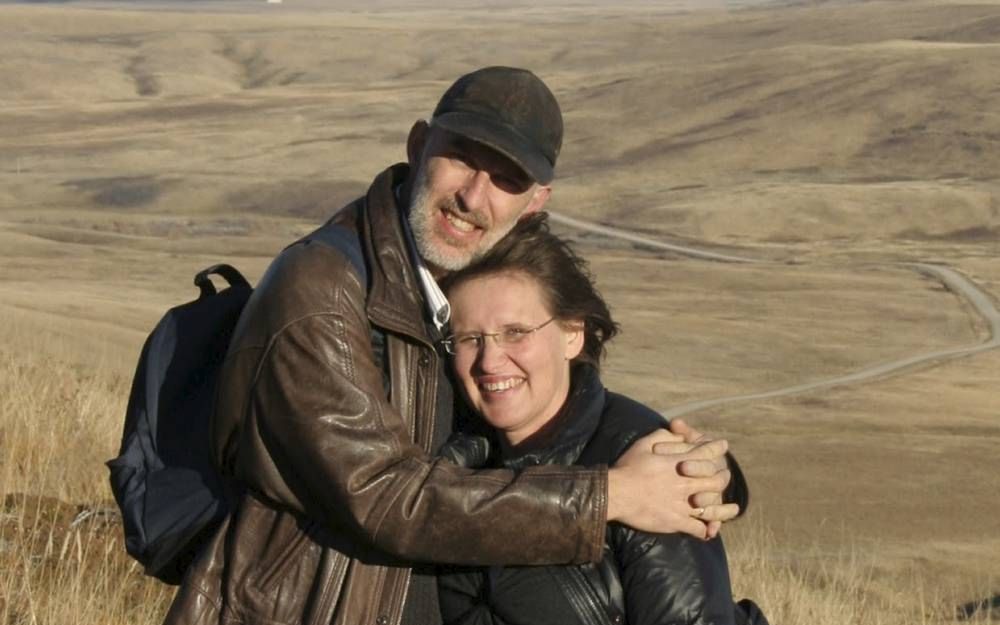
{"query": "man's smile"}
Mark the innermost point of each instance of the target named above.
(458, 223)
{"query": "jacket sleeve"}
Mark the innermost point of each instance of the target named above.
(737, 491)
(320, 438)
(673, 579)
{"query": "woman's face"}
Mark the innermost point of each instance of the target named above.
(516, 387)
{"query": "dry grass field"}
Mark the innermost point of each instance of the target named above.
(832, 141)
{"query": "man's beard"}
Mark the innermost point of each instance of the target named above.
(433, 247)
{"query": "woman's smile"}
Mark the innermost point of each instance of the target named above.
(500, 386)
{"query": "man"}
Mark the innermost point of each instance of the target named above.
(334, 396)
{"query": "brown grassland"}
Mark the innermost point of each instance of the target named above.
(832, 140)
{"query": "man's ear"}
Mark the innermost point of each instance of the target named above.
(540, 196)
(415, 143)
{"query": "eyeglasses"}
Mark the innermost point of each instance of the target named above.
(471, 343)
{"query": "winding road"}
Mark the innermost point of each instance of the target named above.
(951, 279)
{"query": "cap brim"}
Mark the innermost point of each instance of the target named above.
(501, 138)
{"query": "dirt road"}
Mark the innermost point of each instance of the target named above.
(951, 279)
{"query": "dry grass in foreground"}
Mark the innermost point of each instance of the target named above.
(837, 584)
(62, 560)
(61, 555)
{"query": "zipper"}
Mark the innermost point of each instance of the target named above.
(581, 595)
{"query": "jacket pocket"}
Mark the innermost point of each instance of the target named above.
(277, 573)
(277, 567)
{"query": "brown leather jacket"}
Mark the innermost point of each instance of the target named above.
(339, 490)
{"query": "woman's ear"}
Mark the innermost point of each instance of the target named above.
(573, 331)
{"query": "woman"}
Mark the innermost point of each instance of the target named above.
(529, 330)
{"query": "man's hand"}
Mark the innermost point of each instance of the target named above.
(691, 437)
(661, 492)
(681, 428)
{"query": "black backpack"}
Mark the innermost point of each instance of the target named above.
(164, 480)
(170, 495)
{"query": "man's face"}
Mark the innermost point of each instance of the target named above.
(464, 198)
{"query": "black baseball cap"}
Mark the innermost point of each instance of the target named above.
(509, 110)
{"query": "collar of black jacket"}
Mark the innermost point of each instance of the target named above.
(561, 440)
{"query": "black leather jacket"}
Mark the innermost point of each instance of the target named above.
(642, 578)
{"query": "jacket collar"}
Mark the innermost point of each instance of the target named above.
(564, 437)
(394, 299)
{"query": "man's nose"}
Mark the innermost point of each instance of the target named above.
(474, 192)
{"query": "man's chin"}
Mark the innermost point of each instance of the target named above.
(447, 264)
(443, 258)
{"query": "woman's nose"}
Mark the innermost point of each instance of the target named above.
(491, 355)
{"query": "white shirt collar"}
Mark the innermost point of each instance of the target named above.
(437, 303)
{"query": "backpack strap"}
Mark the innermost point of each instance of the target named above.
(344, 240)
(203, 279)
(348, 242)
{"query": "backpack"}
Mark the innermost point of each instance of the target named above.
(169, 491)
(170, 494)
